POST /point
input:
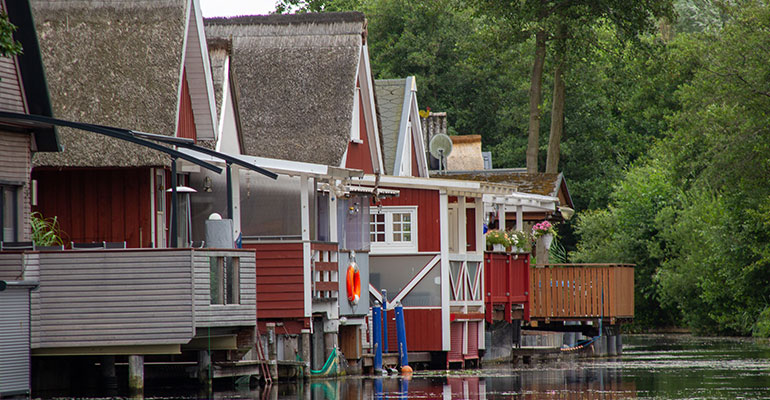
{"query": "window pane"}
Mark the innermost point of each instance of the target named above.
(396, 237)
(380, 237)
(407, 237)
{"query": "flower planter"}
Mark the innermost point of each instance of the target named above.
(498, 247)
(547, 240)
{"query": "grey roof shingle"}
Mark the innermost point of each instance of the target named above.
(390, 99)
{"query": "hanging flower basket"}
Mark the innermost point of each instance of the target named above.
(547, 240)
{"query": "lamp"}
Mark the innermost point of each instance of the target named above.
(566, 212)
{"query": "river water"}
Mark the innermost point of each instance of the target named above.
(651, 367)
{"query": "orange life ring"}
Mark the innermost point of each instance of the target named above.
(353, 283)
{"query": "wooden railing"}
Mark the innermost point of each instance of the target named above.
(582, 291)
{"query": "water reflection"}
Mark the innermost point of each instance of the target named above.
(496, 383)
(652, 367)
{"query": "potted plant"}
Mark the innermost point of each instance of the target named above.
(545, 230)
(498, 239)
(520, 241)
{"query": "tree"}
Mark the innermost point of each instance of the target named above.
(8, 45)
(553, 19)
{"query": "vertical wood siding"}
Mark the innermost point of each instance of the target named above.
(94, 205)
(506, 280)
(242, 314)
(427, 202)
(11, 92)
(113, 297)
(415, 165)
(359, 156)
(582, 292)
(186, 124)
(423, 329)
(280, 287)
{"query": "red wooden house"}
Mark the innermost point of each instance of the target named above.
(305, 106)
(147, 71)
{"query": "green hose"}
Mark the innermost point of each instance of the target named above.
(330, 362)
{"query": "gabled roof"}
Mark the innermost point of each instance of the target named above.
(297, 77)
(226, 95)
(23, 83)
(553, 185)
(397, 103)
(120, 63)
(390, 100)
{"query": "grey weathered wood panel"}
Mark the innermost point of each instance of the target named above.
(11, 93)
(218, 315)
(14, 341)
(15, 164)
(114, 297)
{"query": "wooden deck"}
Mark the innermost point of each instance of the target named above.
(563, 292)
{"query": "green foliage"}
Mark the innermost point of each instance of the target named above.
(8, 46)
(557, 254)
(45, 231)
(496, 236)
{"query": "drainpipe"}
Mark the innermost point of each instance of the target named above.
(174, 205)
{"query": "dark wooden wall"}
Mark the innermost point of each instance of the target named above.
(359, 156)
(280, 280)
(94, 205)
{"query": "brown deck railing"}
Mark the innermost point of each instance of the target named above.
(581, 291)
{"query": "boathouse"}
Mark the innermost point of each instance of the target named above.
(22, 90)
(306, 107)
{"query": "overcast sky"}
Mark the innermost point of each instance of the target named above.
(227, 8)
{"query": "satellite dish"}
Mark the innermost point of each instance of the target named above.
(440, 146)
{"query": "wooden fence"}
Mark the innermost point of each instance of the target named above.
(581, 291)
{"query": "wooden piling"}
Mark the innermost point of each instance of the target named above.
(136, 376)
(306, 352)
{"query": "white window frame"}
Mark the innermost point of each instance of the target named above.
(389, 246)
(355, 129)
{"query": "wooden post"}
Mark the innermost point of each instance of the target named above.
(204, 371)
(136, 376)
(306, 352)
(272, 350)
(109, 378)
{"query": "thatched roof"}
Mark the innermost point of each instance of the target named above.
(466, 153)
(296, 75)
(390, 100)
(111, 62)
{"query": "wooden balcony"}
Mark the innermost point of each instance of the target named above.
(582, 292)
(92, 301)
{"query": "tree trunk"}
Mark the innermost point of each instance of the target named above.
(557, 117)
(535, 94)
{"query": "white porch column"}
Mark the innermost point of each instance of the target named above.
(445, 285)
(333, 234)
(304, 186)
(501, 218)
(480, 244)
(462, 232)
(519, 217)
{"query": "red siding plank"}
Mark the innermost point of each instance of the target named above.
(186, 128)
(359, 156)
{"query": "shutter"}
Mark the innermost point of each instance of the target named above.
(457, 339)
(14, 341)
(473, 341)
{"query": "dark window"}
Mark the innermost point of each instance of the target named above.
(9, 217)
(225, 280)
